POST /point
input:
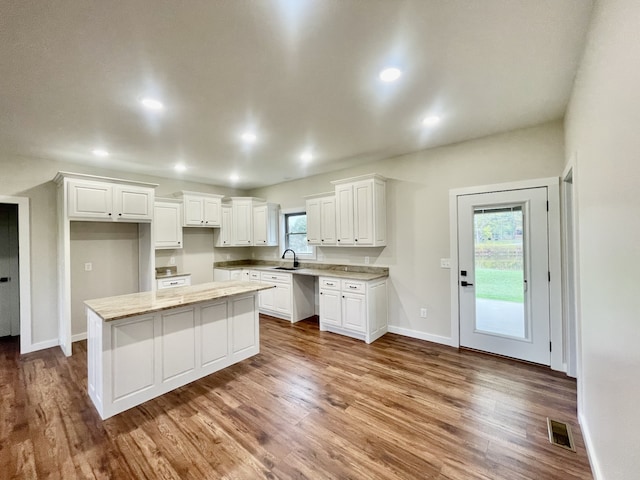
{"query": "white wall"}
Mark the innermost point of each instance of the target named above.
(418, 213)
(29, 177)
(112, 249)
(603, 137)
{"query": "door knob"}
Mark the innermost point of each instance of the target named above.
(5, 279)
(464, 283)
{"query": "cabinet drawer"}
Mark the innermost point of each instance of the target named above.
(329, 283)
(174, 282)
(275, 277)
(353, 286)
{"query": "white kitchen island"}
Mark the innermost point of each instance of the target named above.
(143, 345)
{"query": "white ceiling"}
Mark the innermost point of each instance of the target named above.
(300, 73)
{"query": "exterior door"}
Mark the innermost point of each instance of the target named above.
(503, 257)
(9, 271)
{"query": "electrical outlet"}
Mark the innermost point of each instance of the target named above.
(88, 267)
(423, 312)
(172, 260)
(366, 260)
(228, 256)
(320, 257)
(445, 263)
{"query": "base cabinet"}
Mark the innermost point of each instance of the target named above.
(292, 297)
(354, 308)
(139, 358)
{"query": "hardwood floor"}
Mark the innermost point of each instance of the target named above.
(311, 405)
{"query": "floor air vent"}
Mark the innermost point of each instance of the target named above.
(560, 434)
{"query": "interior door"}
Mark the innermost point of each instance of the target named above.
(9, 271)
(503, 256)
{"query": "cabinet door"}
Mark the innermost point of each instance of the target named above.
(90, 200)
(211, 212)
(328, 221)
(167, 223)
(344, 215)
(260, 218)
(223, 236)
(242, 212)
(133, 203)
(330, 307)
(193, 211)
(266, 299)
(282, 298)
(354, 312)
(363, 212)
(313, 221)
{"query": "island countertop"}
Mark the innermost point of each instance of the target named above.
(123, 306)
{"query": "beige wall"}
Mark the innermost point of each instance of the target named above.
(603, 141)
(29, 177)
(112, 249)
(418, 213)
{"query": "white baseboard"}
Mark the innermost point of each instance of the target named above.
(588, 443)
(78, 336)
(421, 335)
(34, 347)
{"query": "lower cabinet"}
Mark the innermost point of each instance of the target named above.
(173, 282)
(291, 299)
(353, 307)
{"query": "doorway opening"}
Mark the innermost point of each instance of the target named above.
(15, 270)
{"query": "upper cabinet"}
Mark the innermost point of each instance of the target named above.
(246, 222)
(361, 218)
(265, 225)
(92, 198)
(201, 209)
(167, 224)
(321, 219)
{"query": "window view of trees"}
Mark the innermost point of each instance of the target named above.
(296, 233)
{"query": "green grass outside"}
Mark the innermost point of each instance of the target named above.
(503, 285)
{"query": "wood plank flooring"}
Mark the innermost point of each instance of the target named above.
(311, 405)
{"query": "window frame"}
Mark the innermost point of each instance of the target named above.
(284, 213)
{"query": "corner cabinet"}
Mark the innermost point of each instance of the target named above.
(107, 201)
(167, 224)
(321, 219)
(354, 308)
(361, 217)
(247, 222)
(201, 209)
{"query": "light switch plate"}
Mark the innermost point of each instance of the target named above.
(88, 267)
(445, 263)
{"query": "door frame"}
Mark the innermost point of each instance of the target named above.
(24, 258)
(555, 254)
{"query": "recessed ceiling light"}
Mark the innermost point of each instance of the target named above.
(234, 177)
(390, 74)
(431, 121)
(248, 137)
(180, 167)
(306, 157)
(99, 152)
(152, 104)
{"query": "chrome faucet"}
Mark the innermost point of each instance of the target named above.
(295, 260)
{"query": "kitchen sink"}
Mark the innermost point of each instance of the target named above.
(285, 268)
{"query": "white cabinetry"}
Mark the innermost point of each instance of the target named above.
(173, 282)
(225, 274)
(321, 219)
(354, 307)
(222, 237)
(246, 222)
(265, 225)
(291, 299)
(167, 224)
(201, 209)
(105, 201)
(361, 211)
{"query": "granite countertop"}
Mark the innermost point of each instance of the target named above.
(123, 306)
(354, 272)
